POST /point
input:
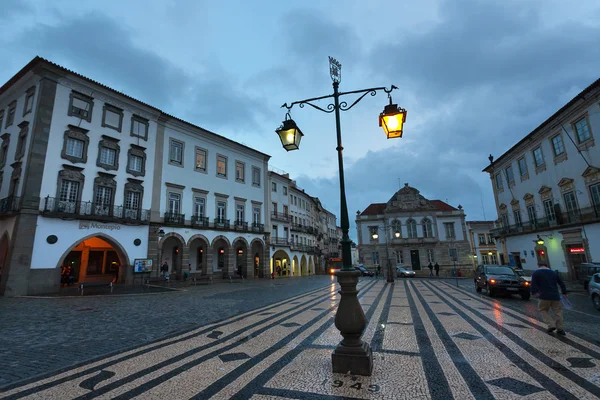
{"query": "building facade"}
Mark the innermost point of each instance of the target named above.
(209, 201)
(429, 231)
(96, 186)
(547, 190)
(76, 184)
(483, 244)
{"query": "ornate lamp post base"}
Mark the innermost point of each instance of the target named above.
(352, 355)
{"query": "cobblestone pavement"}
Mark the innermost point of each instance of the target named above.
(41, 334)
(431, 340)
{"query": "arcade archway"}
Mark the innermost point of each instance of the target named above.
(240, 248)
(280, 264)
(257, 251)
(4, 242)
(97, 258)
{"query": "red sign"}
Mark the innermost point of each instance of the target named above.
(576, 250)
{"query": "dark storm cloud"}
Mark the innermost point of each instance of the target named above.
(100, 48)
(486, 43)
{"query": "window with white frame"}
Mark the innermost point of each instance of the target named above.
(485, 258)
(108, 156)
(427, 228)
(411, 227)
(199, 206)
(571, 203)
(103, 200)
(449, 227)
(396, 227)
(29, 100)
(399, 257)
(256, 176)
(493, 258)
(531, 214)
(174, 203)
(431, 255)
(10, 118)
(221, 166)
(538, 157)
(273, 186)
(112, 117)
(69, 191)
(74, 147)
(239, 213)
(132, 200)
(582, 129)
(285, 190)
(498, 181)
(504, 219)
(240, 173)
(136, 163)
(176, 152)
(139, 127)
(200, 162)
(256, 214)
(510, 177)
(549, 210)
(557, 145)
(517, 215)
(481, 238)
(522, 166)
(595, 193)
(221, 210)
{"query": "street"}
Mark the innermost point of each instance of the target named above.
(430, 340)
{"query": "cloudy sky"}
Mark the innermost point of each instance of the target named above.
(474, 75)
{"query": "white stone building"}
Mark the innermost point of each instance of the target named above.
(547, 186)
(293, 240)
(429, 231)
(209, 200)
(483, 245)
(76, 185)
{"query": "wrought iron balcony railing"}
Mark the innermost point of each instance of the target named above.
(199, 221)
(281, 216)
(256, 227)
(581, 216)
(174, 218)
(241, 225)
(277, 241)
(90, 210)
(221, 223)
(9, 204)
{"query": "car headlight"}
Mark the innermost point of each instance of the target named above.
(492, 281)
(526, 283)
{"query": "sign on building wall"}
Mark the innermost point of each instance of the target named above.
(141, 265)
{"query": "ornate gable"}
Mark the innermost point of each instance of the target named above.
(591, 175)
(545, 192)
(529, 199)
(566, 184)
(408, 199)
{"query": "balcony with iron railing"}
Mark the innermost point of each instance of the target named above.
(277, 241)
(257, 227)
(281, 216)
(581, 216)
(221, 223)
(10, 204)
(53, 207)
(240, 225)
(200, 222)
(171, 218)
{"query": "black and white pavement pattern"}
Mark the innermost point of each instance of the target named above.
(431, 340)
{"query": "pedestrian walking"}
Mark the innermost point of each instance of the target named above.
(430, 269)
(437, 269)
(544, 286)
(164, 269)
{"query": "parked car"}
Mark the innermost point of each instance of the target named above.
(586, 271)
(404, 272)
(594, 290)
(501, 279)
(364, 271)
(523, 274)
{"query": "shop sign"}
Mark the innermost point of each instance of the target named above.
(576, 250)
(98, 225)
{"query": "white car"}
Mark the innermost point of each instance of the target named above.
(405, 272)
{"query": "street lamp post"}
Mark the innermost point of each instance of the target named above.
(375, 235)
(352, 354)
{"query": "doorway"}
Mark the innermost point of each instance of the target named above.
(92, 260)
(415, 261)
